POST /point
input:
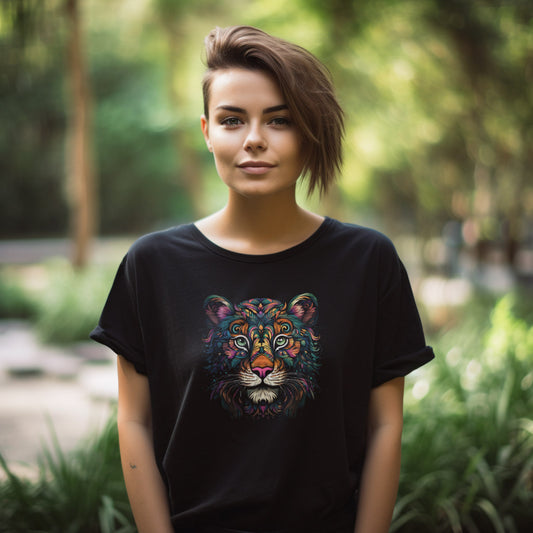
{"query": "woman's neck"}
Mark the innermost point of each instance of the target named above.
(260, 225)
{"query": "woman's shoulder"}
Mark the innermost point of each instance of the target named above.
(352, 233)
(161, 240)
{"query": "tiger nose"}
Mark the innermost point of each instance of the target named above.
(262, 372)
(262, 366)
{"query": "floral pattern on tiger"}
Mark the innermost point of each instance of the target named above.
(263, 356)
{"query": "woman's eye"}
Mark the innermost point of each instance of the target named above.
(280, 121)
(281, 341)
(231, 121)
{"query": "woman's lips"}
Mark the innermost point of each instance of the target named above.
(255, 167)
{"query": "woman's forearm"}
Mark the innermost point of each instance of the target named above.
(381, 471)
(379, 483)
(146, 490)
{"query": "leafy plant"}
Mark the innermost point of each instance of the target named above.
(468, 446)
(76, 492)
(15, 302)
(72, 302)
(67, 306)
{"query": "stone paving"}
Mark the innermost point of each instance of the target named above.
(70, 391)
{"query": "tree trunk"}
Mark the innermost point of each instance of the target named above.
(81, 186)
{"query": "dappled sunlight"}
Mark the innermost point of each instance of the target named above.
(471, 376)
(440, 291)
(527, 381)
(420, 389)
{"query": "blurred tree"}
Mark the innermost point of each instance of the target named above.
(439, 115)
(32, 117)
(133, 121)
(25, 30)
(494, 52)
(439, 111)
(80, 164)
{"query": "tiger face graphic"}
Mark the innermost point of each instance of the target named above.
(262, 354)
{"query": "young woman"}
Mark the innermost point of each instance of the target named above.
(262, 349)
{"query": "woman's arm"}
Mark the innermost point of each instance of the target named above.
(146, 490)
(381, 472)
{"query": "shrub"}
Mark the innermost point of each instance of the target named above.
(15, 302)
(468, 445)
(71, 304)
(66, 308)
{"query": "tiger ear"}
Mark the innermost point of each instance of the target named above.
(305, 307)
(217, 308)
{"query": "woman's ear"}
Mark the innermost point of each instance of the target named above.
(205, 130)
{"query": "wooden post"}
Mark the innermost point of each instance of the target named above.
(81, 185)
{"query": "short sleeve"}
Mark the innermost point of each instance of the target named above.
(400, 343)
(119, 327)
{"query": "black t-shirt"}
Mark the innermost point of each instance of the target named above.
(260, 370)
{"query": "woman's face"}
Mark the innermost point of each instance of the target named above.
(257, 149)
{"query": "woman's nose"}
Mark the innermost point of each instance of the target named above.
(255, 140)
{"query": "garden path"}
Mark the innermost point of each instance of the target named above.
(44, 390)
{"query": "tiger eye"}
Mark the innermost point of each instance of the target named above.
(240, 342)
(281, 342)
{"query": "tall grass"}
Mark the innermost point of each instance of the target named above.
(468, 439)
(79, 492)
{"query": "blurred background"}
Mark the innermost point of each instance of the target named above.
(100, 142)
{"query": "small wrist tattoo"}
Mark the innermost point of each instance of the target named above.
(132, 466)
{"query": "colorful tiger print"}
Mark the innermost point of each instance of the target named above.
(262, 354)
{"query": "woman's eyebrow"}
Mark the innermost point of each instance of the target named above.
(275, 108)
(231, 108)
(267, 110)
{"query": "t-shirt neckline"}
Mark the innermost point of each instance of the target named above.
(261, 258)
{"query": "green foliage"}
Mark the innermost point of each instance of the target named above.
(70, 305)
(468, 444)
(137, 153)
(15, 301)
(133, 125)
(78, 492)
(435, 93)
(67, 306)
(33, 115)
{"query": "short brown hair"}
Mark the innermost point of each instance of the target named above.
(305, 84)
